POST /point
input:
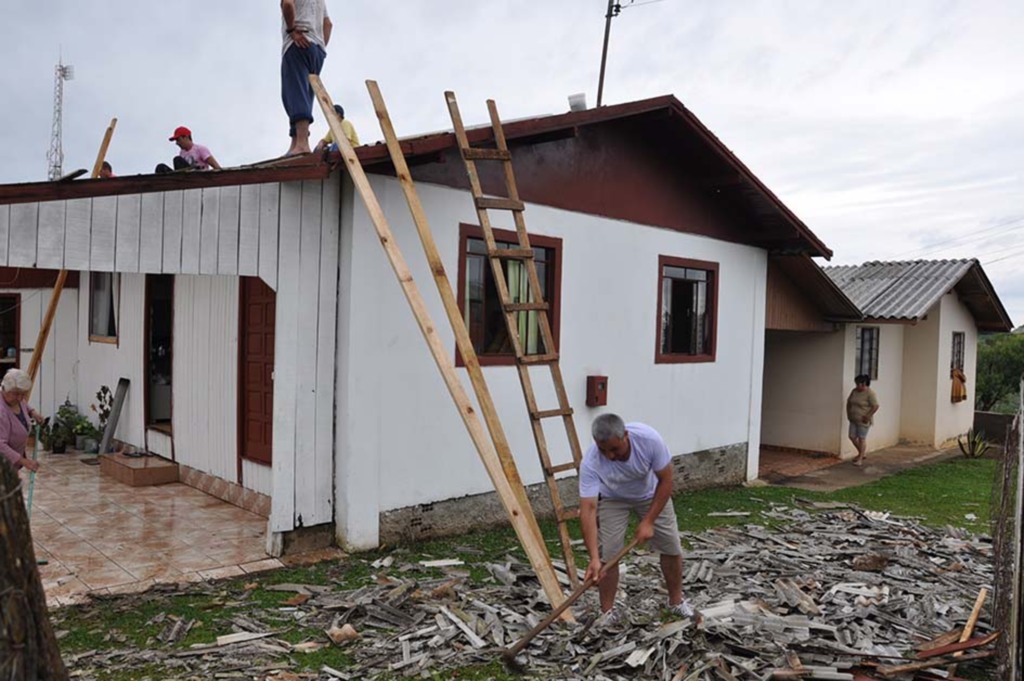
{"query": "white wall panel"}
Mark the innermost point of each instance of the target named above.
(249, 231)
(192, 215)
(257, 477)
(51, 235)
(5, 228)
(24, 228)
(104, 363)
(126, 238)
(270, 221)
(151, 237)
(174, 207)
(227, 232)
(205, 381)
(77, 234)
(208, 230)
(101, 243)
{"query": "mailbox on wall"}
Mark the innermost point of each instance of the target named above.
(597, 391)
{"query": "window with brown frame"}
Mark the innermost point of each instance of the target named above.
(957, 358)
(478, 295)
(866, 351)
(687, 310)
(103, 296)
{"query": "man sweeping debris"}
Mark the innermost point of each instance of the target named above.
(628, 470)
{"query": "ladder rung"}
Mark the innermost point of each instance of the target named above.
(561, 468)
(569, 514)
(539, 359)
(551, 413)
(485, 203)
(476, 154)
(525, 307)
(512, 253)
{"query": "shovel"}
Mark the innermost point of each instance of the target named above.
(509, 654)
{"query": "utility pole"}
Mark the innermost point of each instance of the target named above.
(55, 156)
(613, 11)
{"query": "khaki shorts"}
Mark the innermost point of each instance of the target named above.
(613, 517)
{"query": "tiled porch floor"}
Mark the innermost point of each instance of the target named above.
(100, 535)
(775, 464)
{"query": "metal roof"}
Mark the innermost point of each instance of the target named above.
(907, 290)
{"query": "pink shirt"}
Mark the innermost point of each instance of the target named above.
(13, 433)
(196, 156)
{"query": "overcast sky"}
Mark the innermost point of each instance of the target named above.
(895, 130)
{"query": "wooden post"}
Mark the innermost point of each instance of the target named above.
(520, 515)
(58, 287)
(28, 646)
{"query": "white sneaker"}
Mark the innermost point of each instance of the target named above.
(682, 609)
(610, 618)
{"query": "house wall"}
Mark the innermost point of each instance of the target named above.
(888, 387)
(803, 401)
(102, 364)
(920, 377)
(57, 378)
(205, 380)
(400, 440)
(954, 419)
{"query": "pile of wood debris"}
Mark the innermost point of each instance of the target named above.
(821, 594)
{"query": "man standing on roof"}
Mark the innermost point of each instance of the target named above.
(306, 29)
(628, 470)
(192, 155)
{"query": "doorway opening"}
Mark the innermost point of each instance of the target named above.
(159, 351)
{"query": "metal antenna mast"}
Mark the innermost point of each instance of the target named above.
(55, 156)
(614, 8)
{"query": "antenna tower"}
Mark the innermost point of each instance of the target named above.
(55, 156)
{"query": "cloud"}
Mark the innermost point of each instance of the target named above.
(892, 129)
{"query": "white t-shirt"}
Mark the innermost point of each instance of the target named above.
(632, 479)
(309, 16)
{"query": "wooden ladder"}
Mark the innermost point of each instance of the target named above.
(532, 301)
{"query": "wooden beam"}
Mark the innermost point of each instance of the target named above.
(536, 550)
(520, 515)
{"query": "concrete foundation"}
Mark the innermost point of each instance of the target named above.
(708, 468)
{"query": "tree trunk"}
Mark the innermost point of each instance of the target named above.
(28, 648)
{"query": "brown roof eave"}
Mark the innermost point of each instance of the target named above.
(1004, 323)
(30, 192)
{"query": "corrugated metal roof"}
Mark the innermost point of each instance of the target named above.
(899, 290)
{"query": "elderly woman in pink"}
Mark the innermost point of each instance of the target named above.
(15, 415)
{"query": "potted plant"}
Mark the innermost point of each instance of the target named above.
(54, 435)
(77, 425)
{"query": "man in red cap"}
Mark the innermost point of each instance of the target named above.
(306, 30)
(192, 155)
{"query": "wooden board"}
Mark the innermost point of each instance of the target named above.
(520, 516)
(249, 231)
(52, 217)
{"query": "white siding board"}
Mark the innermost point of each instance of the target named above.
(24, 226)
(159, 443)
(208, 233)
(101, 246)
(257, 477)
(151, 240)
(77, 234)
(249, 231)
(306, 368)
(270, 227)
(326, 352)
(227, 233)
(64, 344)
(205, 374)
(173, 210)
(286, 349)
(5, 228)
(126, 248)
(51, 235)
(192, 213)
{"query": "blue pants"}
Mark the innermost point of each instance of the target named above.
(296, 92)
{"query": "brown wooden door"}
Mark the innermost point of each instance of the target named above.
(256, 384)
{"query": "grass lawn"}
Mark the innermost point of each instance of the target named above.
(939, 494)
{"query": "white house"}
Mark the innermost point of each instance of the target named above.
(271, 354)
(921, 321)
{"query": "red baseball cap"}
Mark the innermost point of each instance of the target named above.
(179, 131)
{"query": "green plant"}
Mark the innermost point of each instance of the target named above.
(973, 445)
(55, 435)
(75, 422)
(104, 403)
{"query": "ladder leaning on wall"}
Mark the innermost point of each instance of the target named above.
(530, 305)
